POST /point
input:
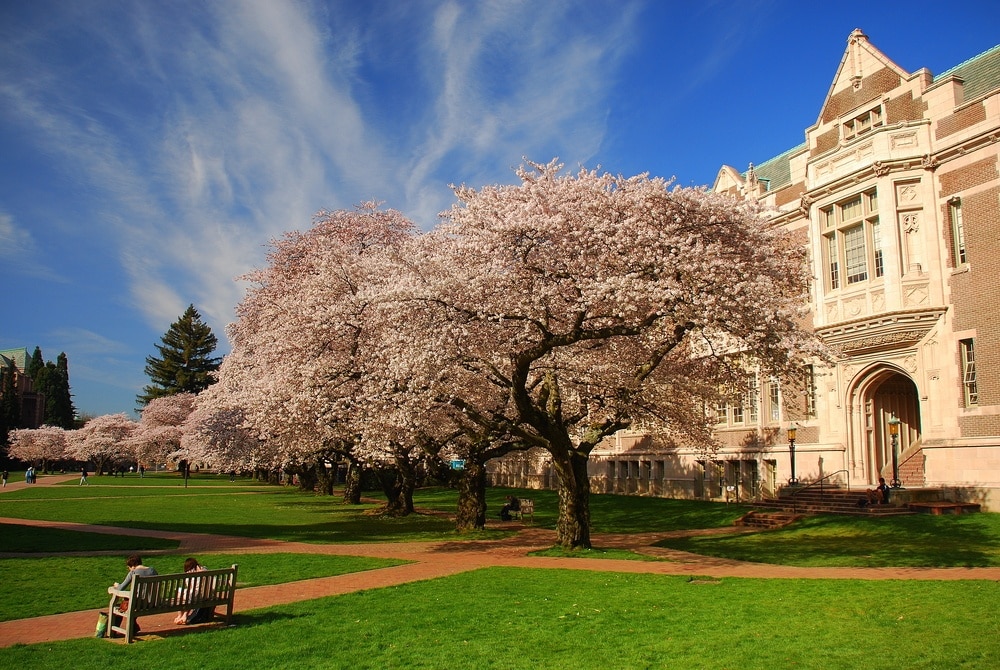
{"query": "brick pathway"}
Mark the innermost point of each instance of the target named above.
(429, 561)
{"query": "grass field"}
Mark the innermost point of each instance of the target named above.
(557, 619)
(525, 618)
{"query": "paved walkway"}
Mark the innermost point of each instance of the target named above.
(429, 560)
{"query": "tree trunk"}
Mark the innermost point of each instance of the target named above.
(352, 484)
(573, 526)
(392, 487)
(471, 498)
(307, 477)
(324, 478)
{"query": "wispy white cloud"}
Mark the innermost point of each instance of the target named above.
(19, 252)
(204, 133)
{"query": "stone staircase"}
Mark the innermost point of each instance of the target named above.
(830, 499)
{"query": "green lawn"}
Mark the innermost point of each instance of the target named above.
(79, 583)
(502, 618)
(921, 540)
(28, 539)
(518, 618)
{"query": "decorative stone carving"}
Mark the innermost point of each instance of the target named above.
(929, 162)
(910, 363)
(805, 202)
(880, 169)
(880, 340)
(854, 307)
(906, 193)
(903, 140)
(915, 296)
(878, 302)
(832, 311)
(910, 222)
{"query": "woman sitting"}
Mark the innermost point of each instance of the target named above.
(202, 614)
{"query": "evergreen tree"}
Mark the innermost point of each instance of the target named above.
(36, 363)
(59, 410)
(185, 362)
(10, 407)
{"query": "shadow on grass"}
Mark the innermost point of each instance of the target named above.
(829, 540)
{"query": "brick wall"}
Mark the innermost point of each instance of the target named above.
(972, 175)
(904, 108)
(872, 87)
(976, 298)
(789, 194)
(826, 141)
(960, 120)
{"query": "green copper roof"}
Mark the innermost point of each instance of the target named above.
(19, 356)
(980, 74)
(777, 171)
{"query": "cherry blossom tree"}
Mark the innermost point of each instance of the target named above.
(220, 439)
(38, 445)
(103, 441)
(296, 369)
(563, 309)
(157, 437)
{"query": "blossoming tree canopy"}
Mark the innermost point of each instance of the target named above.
(595, 301)
(295, 366)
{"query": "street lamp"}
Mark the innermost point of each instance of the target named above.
(791, 451)
(894, 434)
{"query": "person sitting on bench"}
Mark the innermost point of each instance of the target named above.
(512, 505)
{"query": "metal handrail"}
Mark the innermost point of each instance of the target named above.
(820, 482)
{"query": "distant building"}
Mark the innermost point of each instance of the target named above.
(16, 361)
(896, 193)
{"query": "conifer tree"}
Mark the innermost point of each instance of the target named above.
(185, 363)
(36, 363)
(10, 406)
(59, 410)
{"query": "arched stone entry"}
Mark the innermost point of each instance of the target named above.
(877, 395)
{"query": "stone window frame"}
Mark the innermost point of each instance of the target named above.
(855, 220)
(970, 386)
(959, 251)
(863, 123)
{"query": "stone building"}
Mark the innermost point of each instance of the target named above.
(896, 193)
(32, 403)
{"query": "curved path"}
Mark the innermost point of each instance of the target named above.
(429, 560)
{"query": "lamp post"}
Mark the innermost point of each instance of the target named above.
(791, 452)
(894, 434)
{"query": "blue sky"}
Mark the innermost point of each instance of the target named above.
(150, 150)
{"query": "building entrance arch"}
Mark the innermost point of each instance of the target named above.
(878, 394)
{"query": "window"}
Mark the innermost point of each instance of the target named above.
(752, 398)
(774, 401)
(852, 241)
(863, 123)
(721, 413)
(969, 385)
(958, 255)
(737, 413)
(810, 382)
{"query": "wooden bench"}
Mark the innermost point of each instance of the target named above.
(180, 592)
(527, 508)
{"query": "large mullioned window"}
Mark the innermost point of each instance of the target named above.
(852, 241)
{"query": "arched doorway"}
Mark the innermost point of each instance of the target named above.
(880, 394)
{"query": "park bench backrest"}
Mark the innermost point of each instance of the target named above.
(157, 594)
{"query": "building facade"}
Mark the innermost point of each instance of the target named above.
(32, 404)
(896, 194)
